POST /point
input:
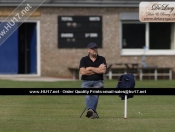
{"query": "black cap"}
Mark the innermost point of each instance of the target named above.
(92, 45)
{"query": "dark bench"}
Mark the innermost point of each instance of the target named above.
(75, 72)
(117, 69)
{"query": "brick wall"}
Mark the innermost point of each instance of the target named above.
(55, 61)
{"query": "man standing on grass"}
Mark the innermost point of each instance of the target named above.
(92, 68)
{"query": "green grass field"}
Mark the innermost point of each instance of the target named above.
(77, 84)
(61, 113)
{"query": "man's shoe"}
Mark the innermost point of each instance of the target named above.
(91, 114)
(96, 114)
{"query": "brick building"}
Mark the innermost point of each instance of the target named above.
(47, 51)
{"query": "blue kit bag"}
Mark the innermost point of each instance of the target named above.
(126, 81)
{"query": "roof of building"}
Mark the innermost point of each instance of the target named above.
(77, 3)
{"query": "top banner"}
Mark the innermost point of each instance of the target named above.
(157, 11)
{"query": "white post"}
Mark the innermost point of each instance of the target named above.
(170, 74)
(110, 74)
(125, 108)
(141, 75)
(155, 74)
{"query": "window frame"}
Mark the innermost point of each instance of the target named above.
(147, 51)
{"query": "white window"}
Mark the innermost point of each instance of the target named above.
(158, 38)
